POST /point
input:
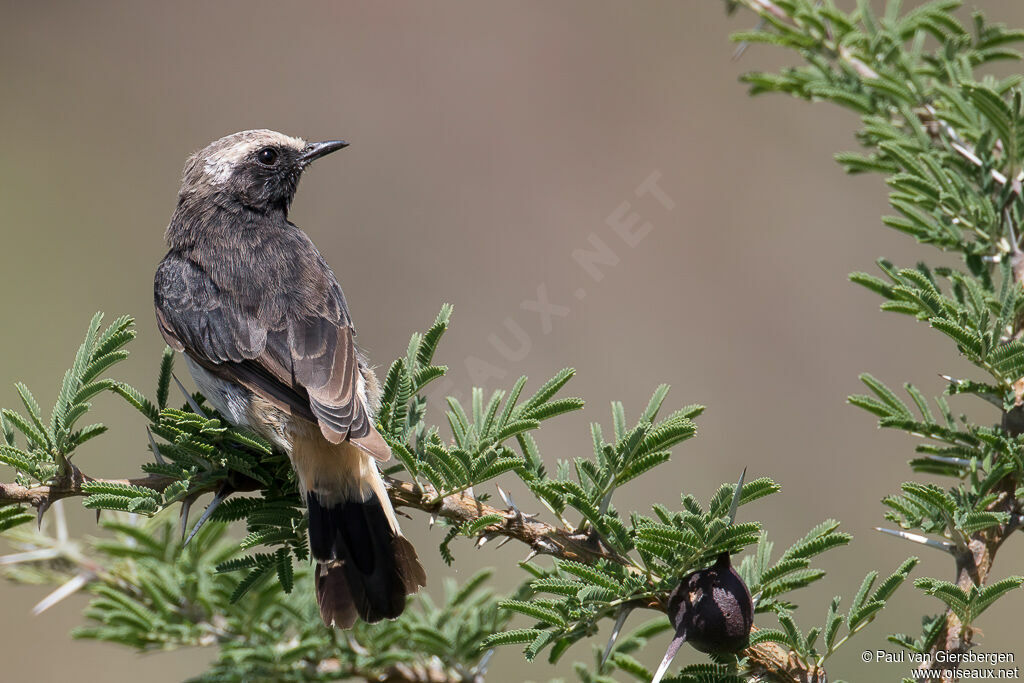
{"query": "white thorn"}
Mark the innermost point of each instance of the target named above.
(959, 462)
(959, 538)
(218, 498)
(1013, 232)
(736, 495)
(186, 507)
(156, 451)
(742, 47)
(30, 556)
(670, 654)
(506, 497)
(61, 522)
(481, 667)
(620, 619)
(944, 546)
(546, 545)
(967, 153)
(188, 397)
(68, 588)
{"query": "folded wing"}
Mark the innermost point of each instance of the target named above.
(300, 358)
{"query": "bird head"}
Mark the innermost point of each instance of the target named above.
(258, 170)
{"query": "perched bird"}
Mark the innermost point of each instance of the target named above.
(267, 336)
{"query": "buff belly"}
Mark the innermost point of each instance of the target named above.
(335, 470)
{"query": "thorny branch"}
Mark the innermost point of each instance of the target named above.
(768, 660)
(42, 496)
(542, 538)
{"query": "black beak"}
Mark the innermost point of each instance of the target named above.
(315, 150)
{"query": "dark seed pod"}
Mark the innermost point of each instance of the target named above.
(712, 607)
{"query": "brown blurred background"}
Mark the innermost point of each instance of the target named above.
(488, 142)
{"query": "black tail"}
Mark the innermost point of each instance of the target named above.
(365, 567)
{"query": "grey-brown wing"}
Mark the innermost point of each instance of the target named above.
(305, 364)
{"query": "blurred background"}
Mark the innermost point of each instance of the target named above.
(489, 142)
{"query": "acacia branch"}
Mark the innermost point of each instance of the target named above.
(42, 496)
(768, 659)
(542, 538)
(459, 508)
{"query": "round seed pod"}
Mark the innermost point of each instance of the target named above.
(712, 607)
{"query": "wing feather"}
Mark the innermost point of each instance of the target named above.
(306, 363)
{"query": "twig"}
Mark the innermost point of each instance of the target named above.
(461, 508)
(42, 496)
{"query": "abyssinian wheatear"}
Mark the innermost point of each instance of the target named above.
(267, 336)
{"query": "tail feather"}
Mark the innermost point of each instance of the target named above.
(356, 538)
(365, 566)
(408, 565)
(333, 596)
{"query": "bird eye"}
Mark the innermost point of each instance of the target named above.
(267, 156)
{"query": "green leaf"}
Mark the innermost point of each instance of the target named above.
(18, 459)
(251, 580)
(29, 430)
(138, 400)
(536, 611)
(989, 594)
(522, 635)
(952, 595)
(997, 113)
(32, 407)
(473, 527)
(284, 570)
(654, 405)
(13, 516)
(163, 382)
(590, 574)
(117, 489)
(550, 388)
